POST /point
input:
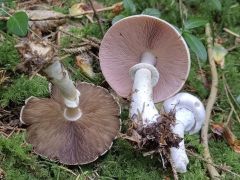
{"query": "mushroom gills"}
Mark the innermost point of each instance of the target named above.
(145, 77)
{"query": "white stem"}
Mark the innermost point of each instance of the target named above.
(59, 76)
(145, 77)
(190, 115)
(184, 120)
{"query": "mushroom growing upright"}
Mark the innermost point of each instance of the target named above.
(147, 59)
(73, 126)
(190, 115)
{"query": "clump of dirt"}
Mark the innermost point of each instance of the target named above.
(156, 138)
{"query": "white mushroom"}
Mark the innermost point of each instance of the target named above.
(190, 116)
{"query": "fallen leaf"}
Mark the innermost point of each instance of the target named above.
(217, 128)
(219, 53)
(46, 25)
(135, 137)
(84, 62)
(225, 131)
(80, 8)
(231, 139)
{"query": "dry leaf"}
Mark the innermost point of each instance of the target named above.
(35, 55)
(231, 139)
(117, 8)
(224, 130)
(84, 62)
(46, 25)
(80, 8)
(217, 128)
(219, 53)
(135, 137)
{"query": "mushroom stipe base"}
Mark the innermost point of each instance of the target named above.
(72, 142)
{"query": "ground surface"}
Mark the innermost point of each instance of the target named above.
(122, 162)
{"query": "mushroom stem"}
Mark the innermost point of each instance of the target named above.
(145, 77)
(58, 75)
(190, 115)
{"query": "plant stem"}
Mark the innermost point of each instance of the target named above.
(97, 17)
(70, 16)
(211, 100)
(215, 165)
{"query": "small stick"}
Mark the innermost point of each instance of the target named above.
(229, 116)
(231, 32)
(211, 100)
(97, 17)
(70, 16)
(229, 91)
(229, 101)
(233, 48)
(175, 175)
(200, 68)
(208, 162)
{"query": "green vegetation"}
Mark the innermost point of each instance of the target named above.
(22, 88)
(9, 56)
(123, 161)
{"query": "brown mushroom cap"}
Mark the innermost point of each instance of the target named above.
(126, 41)
(72, 142)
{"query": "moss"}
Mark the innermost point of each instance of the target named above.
(19, 163)
(92, 29)
(8, 53)
(124, 162)
(22, 88)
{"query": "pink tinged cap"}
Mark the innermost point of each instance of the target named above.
(126, 41)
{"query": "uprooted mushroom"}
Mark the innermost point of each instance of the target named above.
(190, 116)
(146, 59)
(72, 126)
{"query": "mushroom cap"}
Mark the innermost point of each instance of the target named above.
(190, 102)
(126, 41)
(72, 142)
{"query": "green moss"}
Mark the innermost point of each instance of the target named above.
(22, 88)
(91, 29)
(224, 155)
(124, 162)
(19, 163)
(8, 53)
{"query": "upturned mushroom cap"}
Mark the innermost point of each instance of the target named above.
(72, 142)
(126, 41)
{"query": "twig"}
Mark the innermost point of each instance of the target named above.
(211, 100)
(229, 100)
(233, 48)
(208, 162)
(71, 16)
(175, 175)
(201, 70)
(181, 11)
(229, 116)
(229, 91)
(97, 17)
(231, 32)
(86, 41)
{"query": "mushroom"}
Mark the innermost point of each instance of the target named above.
(190, 116)
(77, 124)
(146, 58)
